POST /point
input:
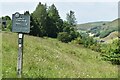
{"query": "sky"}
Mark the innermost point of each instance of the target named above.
(87, 11)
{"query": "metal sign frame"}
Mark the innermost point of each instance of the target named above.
(21, 23)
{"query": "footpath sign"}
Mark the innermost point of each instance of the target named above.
(21, 25)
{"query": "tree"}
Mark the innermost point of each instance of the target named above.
(71, 18)
(34, 29)
(54, 22)
(46, 21)
(69, 32)
(39, 16)
(6, 23)
(6, 18)
(26, 12)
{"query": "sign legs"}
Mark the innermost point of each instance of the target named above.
(20, 55)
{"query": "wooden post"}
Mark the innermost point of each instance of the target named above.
(18, 21)
(20, 55)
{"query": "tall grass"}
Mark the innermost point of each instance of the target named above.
(50, 58)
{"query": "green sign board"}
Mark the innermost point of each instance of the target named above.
(21, 23)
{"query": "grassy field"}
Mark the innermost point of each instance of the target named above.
(50, 58)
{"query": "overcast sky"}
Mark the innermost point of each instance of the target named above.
(91, 11)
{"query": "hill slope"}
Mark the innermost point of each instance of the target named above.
(112, 36)
(49, 58)
(88, 26)
(99, 29)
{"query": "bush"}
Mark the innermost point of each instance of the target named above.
(73, 35)
(68, 35)
(95, 47)
(111, 52)
(115, 57)
(88, 41)
(64, 37)
(78, 40)
(8, 26)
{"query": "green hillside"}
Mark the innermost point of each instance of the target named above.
(88, 26)
(50, 58)
(99, 29)
(112, 36)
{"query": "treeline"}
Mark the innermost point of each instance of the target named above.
(46, 21)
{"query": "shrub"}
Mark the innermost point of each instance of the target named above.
(78, 40)
(64, 37)
(115, 57)
(111, 52)
(88, 41)
(73, 35)
(95, 47)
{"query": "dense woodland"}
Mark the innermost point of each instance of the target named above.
(46, 22)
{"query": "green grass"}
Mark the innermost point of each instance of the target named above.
(50, 58)
(0, 55)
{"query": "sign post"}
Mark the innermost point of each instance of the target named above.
(20, 54)
(21, 25)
